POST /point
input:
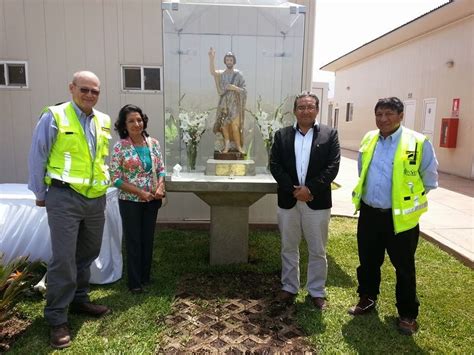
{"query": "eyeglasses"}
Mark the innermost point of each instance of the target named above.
(86, 91)
(306, 108)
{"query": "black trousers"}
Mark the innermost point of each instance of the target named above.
(138, 222)
(375, 234)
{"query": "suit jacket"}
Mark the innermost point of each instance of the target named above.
(322, 168)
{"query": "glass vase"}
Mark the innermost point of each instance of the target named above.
(268, 147)
(191, 152)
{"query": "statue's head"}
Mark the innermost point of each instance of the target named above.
(226, 61)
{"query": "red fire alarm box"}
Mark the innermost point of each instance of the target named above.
(449, 132)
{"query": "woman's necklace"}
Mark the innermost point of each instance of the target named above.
(141, 142)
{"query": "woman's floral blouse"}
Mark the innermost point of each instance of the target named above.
(126, 166)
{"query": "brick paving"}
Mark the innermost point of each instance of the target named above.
(238, 316)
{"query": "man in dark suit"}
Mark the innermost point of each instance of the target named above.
(304, 161)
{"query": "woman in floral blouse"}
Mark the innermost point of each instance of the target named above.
(137, 169)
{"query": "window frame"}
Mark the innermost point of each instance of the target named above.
(7, 84)
(349, 111)
(142, 68)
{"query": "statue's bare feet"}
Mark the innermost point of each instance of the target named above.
(226, 147)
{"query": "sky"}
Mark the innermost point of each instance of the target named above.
(344, 25)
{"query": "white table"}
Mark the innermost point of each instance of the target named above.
(24, 230)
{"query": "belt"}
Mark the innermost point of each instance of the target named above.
(59, 183)
(379, 210)
(383, 210)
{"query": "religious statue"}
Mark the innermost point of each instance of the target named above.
(230, 112)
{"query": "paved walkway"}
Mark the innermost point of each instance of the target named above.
(449, 221)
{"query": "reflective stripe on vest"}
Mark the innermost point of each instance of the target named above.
(397, 211)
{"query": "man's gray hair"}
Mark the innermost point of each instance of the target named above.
(84, 73)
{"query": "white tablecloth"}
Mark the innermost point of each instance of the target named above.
(24, 230)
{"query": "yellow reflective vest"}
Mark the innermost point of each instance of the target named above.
(409, 200)
(70, 159)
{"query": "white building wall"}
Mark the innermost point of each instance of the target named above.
(416, 70)
(57, 38)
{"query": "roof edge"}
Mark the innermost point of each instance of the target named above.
(455, 8)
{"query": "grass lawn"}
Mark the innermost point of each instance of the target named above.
(445, 289)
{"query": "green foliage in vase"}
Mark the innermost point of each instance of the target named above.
(248, 153)
(269, 123)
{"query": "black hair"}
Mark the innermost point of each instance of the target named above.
(391, 103)
(306, 94)
(230, 54)
(120, 124)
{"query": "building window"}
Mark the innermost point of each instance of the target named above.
(330, 108)
(141, 78)
(349, 111)
(13, 74)
(336, 117)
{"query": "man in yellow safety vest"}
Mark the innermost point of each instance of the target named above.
(69, 176)
(397, 168)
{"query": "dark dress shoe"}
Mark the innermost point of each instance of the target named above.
(365, 305)
(137, 291)
(60, 336)
(90, 309)
(407, 326)
(319, 302)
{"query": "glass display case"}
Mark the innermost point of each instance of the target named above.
(266, 38)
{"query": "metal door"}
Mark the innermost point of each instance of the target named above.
(429, 117)
(409, 114)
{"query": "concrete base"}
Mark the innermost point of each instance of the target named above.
(229, 245)
(229, 225)
(219, 167)
(229, 200)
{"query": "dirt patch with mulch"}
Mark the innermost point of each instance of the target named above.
(10, 330)
(231, 314)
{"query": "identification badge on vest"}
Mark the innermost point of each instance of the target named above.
(412, 153)
(411, 157)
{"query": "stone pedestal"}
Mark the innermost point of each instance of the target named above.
(219, 167)
(229, 200)
(229, 224)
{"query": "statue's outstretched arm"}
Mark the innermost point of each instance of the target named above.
(214, 72)
(212, 57)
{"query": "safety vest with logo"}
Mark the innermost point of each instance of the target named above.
(70, 159)
(409, 200)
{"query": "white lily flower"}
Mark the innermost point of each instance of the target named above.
(193, 125)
